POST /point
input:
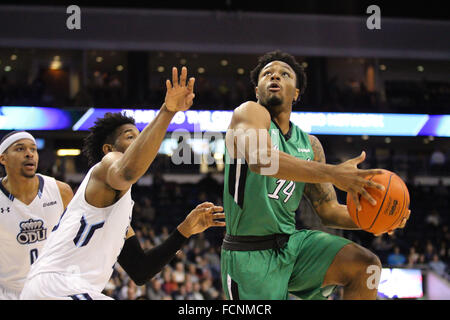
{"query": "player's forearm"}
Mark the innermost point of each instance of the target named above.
(284, 166)
(141, 153)
(142, 265)
(337, 217)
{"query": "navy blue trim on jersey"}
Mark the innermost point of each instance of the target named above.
(81, 296)
(6, 192)
(288, 134)
(41, 186)
(11, 197)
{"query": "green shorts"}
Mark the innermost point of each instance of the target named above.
(299, 268)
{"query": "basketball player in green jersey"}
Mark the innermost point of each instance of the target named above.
(263, 255)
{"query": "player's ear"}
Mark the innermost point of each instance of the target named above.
(2, 159)
(256, 93)
(297, 93)
(107, 148)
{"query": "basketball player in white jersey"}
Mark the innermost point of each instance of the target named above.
(30, 206)
(78, 259)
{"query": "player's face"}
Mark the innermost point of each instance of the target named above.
(21, 158)
(126, 134)
(276, 84)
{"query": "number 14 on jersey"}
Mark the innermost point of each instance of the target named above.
(288, 190)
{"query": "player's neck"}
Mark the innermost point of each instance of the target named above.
(22, 188)
(282, 120)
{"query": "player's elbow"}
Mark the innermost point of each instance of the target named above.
(121, 179)
(260, 161)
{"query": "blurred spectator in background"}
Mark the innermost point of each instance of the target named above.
(437, 265)
(179, 273)
(413, 257)
(429, 251)
(154, 290)
(396, 258)
(437, 161)
(196, 294)
(433, 219)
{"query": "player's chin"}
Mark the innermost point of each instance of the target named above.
(28, 174)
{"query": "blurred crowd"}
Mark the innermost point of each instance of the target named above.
(110, 90)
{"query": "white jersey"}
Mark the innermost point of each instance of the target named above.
(87, 240)
(24, 229)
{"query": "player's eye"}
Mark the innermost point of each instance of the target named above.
(286, 74)
(130, 137)
(267, 73)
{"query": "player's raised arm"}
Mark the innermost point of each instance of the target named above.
(248, 137)
(127, 169)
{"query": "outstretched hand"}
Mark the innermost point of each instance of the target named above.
(350, 179)
(201, 218)
(179, 96)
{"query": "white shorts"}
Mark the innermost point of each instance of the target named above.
(7, 294)
(55, 286)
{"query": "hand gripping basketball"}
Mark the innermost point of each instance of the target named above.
(350, 179)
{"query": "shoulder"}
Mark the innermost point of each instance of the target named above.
(319, 154)
(66, 192)
(64, 187)
(252, 112)
(101, 168)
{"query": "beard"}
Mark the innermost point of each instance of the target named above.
(273, 102)
(28, 175)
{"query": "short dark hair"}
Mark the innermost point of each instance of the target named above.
(286, 58)
(103, 132)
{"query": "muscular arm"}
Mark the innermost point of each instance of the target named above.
(323, 197)
(125, 170)
(248, 137)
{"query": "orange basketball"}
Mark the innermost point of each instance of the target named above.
(392, 204)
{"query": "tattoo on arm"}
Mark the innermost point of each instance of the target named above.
(319, 193)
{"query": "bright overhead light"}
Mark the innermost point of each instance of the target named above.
(201, 70)
(8, 68)
(223, 62)
(240, 71)
(420, 68)
(183, 61)
(13, 57)
(119, 68)
(387, 140)
(68, 152)
(383, 67)
(365, 137)
(99, 59)
(160, 69)
(305, 64)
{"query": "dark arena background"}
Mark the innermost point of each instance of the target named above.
(383, 90)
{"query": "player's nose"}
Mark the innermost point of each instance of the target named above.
(275, 76)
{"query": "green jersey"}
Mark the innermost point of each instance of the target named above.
(260, 205)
